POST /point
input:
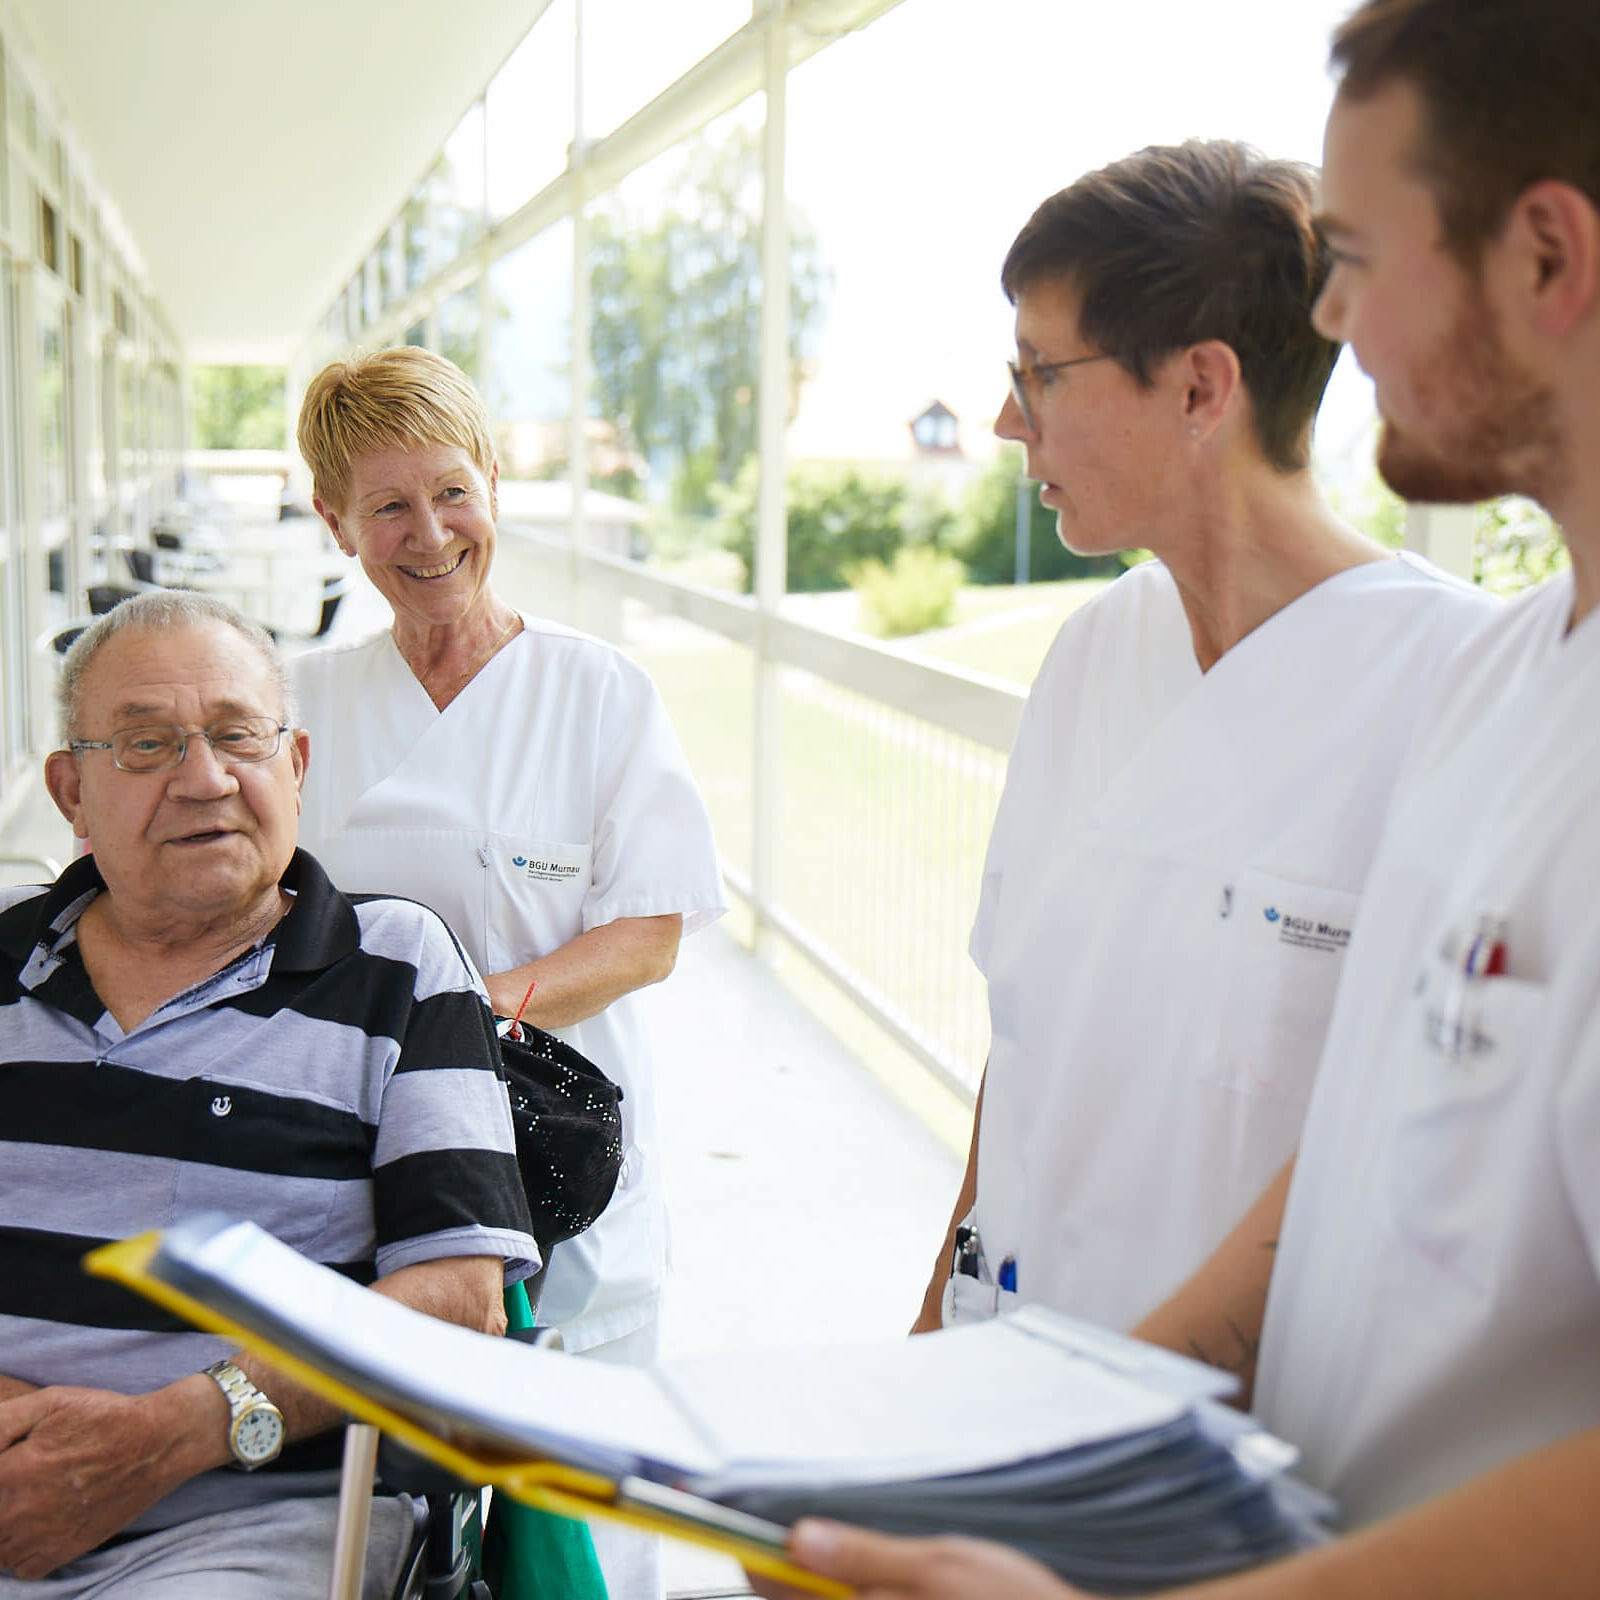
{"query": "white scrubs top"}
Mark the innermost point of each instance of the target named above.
(1169, 892)
(1435, 1308)
(550, 797)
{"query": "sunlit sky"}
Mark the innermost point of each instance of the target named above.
(920, 145)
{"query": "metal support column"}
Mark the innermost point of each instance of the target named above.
(582, 363)
(1446, 535)
(771, 535)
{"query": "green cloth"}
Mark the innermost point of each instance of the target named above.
(529, 1554)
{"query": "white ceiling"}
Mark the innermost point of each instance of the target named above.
(256, 148)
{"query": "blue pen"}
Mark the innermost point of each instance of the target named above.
(1008, 1274)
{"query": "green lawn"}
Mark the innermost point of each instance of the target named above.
(885, 820)
(884, 823)
(998, 628)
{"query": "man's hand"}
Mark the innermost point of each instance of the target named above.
(78, 1465)
(879, 1567)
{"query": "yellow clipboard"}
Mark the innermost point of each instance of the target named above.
(546, 1485)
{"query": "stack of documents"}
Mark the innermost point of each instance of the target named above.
(1107, 1459)
(1151, 1509)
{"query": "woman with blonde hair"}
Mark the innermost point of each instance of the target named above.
(519, 777)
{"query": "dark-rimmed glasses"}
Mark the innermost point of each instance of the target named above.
(1022, 376)
(158, 746)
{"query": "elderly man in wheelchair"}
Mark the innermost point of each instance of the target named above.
(193, 1018)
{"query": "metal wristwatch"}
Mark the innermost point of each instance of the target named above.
(255, 1425)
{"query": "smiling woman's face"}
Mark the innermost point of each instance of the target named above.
(421, 522)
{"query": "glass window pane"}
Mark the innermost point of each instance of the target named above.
(675, 317)
(528, 382)
(528, 112)
(414, 238)
(457, 181)
(632, 49)
(53, 409)
(458, 330)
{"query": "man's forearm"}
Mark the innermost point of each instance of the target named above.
(1528, 1528)
(1216, 1316)
(586, 974)
(78, 1465)
(931, 1315)
(10, 1388)
(462, 1289)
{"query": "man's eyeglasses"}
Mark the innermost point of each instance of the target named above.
(1021, 377)
(159, 746)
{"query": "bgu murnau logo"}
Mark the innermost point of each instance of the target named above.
(519, 861)
(1271, 913)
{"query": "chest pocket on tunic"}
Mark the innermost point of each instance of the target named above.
(1285, 944)
(533, 898)
(278, 1161)
(1451, 1113)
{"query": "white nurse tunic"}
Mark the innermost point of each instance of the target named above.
(1168, 896)
(1435, 1306)
(550, 797)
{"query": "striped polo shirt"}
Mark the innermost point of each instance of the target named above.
(337, 1084)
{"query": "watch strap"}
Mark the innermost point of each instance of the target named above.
(243, 1396)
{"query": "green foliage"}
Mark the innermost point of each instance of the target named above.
(916, 591)
(675, 330)
(1372, 508)
(238, 408)
(986, 538)
(1517, 546)
(839, 516)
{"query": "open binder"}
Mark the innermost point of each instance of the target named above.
(1106, 1458)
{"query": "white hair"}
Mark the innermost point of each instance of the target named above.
(150, 611)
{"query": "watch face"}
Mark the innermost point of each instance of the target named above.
(258, 1435)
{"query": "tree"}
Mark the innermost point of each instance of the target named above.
(839, 516)
(987, 536)
(238, 408)
(1517, 546)
(675, 333)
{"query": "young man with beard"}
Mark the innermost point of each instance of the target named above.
(1432, 1335)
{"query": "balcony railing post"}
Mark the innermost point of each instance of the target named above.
(578, 409)
(771, 540)
(1446, 535)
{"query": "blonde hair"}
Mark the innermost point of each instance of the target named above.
(401, 397)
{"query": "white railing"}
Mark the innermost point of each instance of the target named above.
(866, 846)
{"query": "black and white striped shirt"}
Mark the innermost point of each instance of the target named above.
(336, 1084)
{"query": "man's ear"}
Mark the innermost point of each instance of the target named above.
(331, 517)
(300, 758)
(1210, 385)
(63, 777)
(1552, 239)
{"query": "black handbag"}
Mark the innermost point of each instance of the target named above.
(564, 1112)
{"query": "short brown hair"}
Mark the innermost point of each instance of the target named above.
(404, 397)
(1508, 91)
(1182, 243)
